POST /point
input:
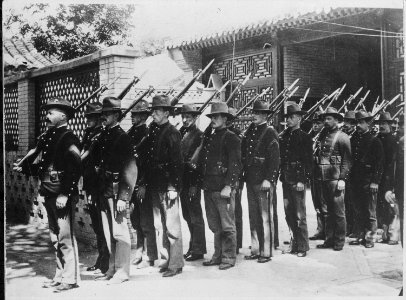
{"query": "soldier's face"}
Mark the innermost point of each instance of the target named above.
(330, 121)
(348, 125)
(259, 117)
(362, 126)
(136, 119)
(317, 126)
(384, 128)
(218, 121)
(110, 117)
(160, 116)
(55, 117)
(293, 120)
(188, 120)
(91, 121)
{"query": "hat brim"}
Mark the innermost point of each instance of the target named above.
(189, 113)
(267, 111)
(162, 106)
(365, 119)
(70, 111)
(144, 111)
(383, 121)
(299, 112)
(335, 115)
(230, 116)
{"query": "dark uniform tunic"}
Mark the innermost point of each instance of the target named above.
(296, 166)
(163, 172)
(220, 162)
(260, 159)
(117, 175)
(191, 207)
(368, 162)
(90, 185)
(333, 162)
(141, 215)
(59, 172)
(385, 214)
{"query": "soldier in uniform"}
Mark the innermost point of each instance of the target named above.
(296, 171)
(333, 162)
(260, 159)
(141, 215)
(190, 196)
(315, 190)
(59, 171)
(220, 162)
(366, 173)
(349, 129)
(117, 171)
(163, 179)
(90, 184)
(386, 214)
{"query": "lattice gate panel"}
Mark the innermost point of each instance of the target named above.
(74, 87)
(11, 116)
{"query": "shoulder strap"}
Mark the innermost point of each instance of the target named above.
(261, 138)
(58, 142)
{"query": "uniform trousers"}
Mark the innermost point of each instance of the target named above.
(168, 230)
(60, 222)
(102, 261)
(193, 215)
(118, 239)
(387, 217)
(295, 213)
(333, 211)
(365, 211)
(142, 220)
(349, 208)
(275, 230)
(316, 198)
(238, 217)
(260, 216)
(220, 213)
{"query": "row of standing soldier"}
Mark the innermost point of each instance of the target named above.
(111, 156)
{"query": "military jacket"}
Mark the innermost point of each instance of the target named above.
(163, 158)
(389, 146)
(296, 156)
(368, 158)
(395, 170)
(220, 160)
(260, 154)
(60, 167)
(191, 139)
(332, 155)
(89, 173)
(117, 168)
(136, 134)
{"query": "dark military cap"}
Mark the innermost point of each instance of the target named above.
(161, 101)
(363, 115)
(331, 111)
(294, 109)
(61, 104)
(189, 109)
(93, 109)
(111, 104)
(349, 115)
(219, 108)
(261, 106)
(141, 107)
(384, 117)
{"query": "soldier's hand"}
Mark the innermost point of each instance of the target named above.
(390, 197)
(17, 167)
(341, 185)
(373, 187)
(266, 185)
(172, 195)
(141, 193)
(61, 201)
(192, 192)
(299, 187)
(89, 199)
(226, 192)
(121, 205)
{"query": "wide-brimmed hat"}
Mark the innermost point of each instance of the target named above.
(61, 104)
(363, 115)
(317, 117)
(141, 107)
(349, 115)
(219, 108)
(384, 117)
(261, 106)
(93, 109)
(161, 101)
(189, 109)
(331, 111)
(111, 104)
(294, 109)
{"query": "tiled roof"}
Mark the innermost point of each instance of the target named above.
(20, 55)
(268, 26)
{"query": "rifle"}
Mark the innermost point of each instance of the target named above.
(238, 88)
(199, 73)
(398, 112)
(215, 94)
(170, 91)
(303, 99)
(279, 105)
(284, 92)
(100, 90)
(376, 104)
(136, 101)
(252, 101)
(350, 98)
(128, 87)
(362, 100)
(336, 96)
(318, 103)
